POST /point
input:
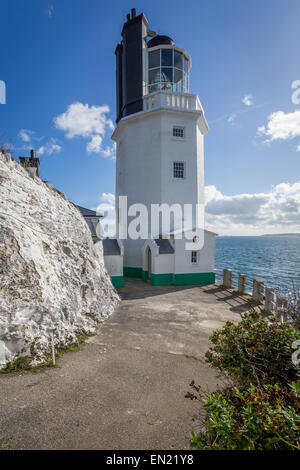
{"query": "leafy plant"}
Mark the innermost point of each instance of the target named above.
(293, 306)
(258, 418)
(261, 409)
(255, 350)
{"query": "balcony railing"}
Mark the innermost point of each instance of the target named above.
(167, 99)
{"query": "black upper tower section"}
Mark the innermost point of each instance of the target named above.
(129, 58)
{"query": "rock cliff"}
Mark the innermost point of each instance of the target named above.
(52, 275)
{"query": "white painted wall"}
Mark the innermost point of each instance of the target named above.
(146, 150)
(160, 263)
(114, 264)
(180, 261)
(164, 264)
(206, 256)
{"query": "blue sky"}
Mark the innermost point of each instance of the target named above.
(55, 53)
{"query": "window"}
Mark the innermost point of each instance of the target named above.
(178, 170)
(178, 132)
(168, 70)
(194, 257)
(154, 59)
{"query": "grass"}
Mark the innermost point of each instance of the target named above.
(6, 445)
(23, 363)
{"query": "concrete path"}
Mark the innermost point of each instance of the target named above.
(125, 388)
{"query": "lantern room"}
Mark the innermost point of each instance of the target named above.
(168, 66)
(145, 67)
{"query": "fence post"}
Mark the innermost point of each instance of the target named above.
(258, 291)
(242, 284)
(227, 278)
(281, 308)
(269, 300)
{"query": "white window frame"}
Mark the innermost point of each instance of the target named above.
(196, 259)
(179, 128)
(179, 178)
(184, 87)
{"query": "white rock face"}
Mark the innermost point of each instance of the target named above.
(52, 276)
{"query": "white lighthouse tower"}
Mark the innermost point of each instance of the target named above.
(160, 158)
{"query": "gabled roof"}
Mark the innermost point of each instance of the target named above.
(88, 212)
(175, 232)
(111, 247)
(164, 245)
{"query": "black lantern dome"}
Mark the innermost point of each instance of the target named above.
(160, 40)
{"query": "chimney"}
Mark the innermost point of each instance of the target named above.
(31, 164)
(129, 61)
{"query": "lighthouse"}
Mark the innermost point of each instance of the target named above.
(159, 160)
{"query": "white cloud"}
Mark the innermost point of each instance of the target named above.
(31, 140)
(106, 206)
(82, 120)
(261, 130)
(94, 146)
(231, 118)
(25, 135)
(247, 100)
(49, 148)
(110, 152)
(276, 211)
(281, 126)
(298, 148)
(50, 11)
(254, 214)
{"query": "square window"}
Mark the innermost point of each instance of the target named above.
(178, 170)
(194, 257)
(178, 132)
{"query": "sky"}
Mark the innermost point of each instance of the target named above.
(58, 66)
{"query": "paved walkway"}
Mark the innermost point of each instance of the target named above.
(125, 388)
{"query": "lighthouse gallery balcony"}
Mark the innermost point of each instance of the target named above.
(172, 100)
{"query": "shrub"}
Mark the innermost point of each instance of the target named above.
(261, 410)
(255, 350)
(254, 418)
(293, 306)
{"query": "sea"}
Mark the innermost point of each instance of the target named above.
(273, 259)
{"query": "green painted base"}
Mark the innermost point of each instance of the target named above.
(161, 279)
(132, 272)
(189, 279)
(186, 279)
(117, 281)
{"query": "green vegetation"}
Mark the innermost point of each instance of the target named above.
(255, 350)
(23, 363)
(6, 445)
(261, 408)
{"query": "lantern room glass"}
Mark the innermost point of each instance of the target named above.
(168, 70)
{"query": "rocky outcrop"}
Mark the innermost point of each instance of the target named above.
(52, 275)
